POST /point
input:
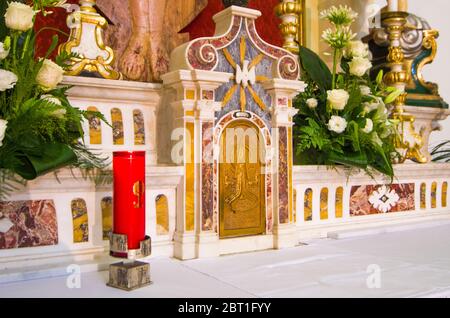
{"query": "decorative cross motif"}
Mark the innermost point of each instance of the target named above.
(245, 77)
(384, 199)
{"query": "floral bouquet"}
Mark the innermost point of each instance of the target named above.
(39, 130)
(342, 116)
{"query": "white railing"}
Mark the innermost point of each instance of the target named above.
(428, 195)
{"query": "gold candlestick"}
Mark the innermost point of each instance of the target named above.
(86, 40)
(409, 142)
(291, 14)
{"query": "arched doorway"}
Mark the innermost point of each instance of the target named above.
(242, 181)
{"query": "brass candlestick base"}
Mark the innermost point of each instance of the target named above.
(409, 142)
(86, 40)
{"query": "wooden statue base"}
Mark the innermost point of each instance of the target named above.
(129, 276)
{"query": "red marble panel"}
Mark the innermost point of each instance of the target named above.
(283, 175)
(28, 224)
(202, 54)
(207, 177)
(360, 199)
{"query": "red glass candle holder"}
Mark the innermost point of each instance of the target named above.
(129, 200)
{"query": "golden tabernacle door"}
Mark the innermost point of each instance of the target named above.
(242, 181)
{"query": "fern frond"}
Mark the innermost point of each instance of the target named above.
(9, 182)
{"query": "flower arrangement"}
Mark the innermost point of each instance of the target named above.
(343, 118)
(39, 130)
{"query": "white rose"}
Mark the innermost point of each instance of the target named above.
(50, 75)
(312, 103)
(337, 124)
(359, 66)
(369, 126)
(365, 90)
(338, 98)
(3, 52)
(3, 126)
(356, 49)
(7, 80)
(19, 16)
(51, 99)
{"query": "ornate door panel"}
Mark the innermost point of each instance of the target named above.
(242, 182)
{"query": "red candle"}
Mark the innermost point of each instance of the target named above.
(129, 196)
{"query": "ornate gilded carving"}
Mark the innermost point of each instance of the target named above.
(86, 40)
(409, 142)
(291, 14)
(429, 43)
(419, 47)
(242, 184)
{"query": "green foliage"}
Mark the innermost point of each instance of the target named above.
(9, 182)
(44, 132)
(441, 152)
(316, 70)
(368, 139)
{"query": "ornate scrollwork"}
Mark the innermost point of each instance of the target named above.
(419, 46)
(288, 68)
(202, 54)
(429, 43)
(86, 39)
(207, 54)
(409, 143)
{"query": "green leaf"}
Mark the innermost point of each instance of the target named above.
(52, 157)
(52, 46)
(393, 96)
(353, 129)
(354, 101)
(358, 159)
(381, 162)
(315, 68)
(379, 78)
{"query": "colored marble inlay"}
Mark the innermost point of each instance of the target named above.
(372, 199)
(207, 176)
(444, 194)
(290, 159)
(283, 175)
(434, 195)
(282, 101)
(234, 97)
(139, 127)
(95, 128)
(208, 95)
(28, 224)
(162, 215)
(190, 174)
(190, 94)
(423, 196)
(339, 202)
(80, 221)
(117, 123)
(308, 208)
(202, 53)
(288, 66)
(324, 204)
(107, 217)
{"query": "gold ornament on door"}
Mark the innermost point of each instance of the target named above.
(242, 182)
